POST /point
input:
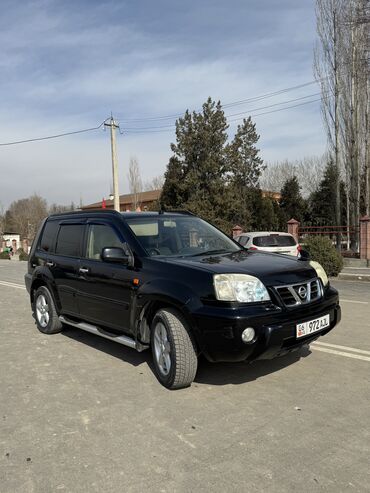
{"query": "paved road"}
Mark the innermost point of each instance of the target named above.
(81, 414)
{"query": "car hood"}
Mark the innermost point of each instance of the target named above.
(271, 269)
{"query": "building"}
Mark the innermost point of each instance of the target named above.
(146, 201)
(149, 200)
(11, 240)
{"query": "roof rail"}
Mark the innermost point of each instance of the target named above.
(176, 211)
(84, 211)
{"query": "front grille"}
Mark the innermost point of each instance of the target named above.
(300, 294)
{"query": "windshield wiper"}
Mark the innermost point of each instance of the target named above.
(209, 252)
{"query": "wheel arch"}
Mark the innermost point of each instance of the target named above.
(153, 306)
(43, 281)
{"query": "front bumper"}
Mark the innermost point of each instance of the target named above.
(219, 328)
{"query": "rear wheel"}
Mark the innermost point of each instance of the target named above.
(174, 355)
(45, 313)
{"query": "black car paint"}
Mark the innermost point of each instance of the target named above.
(107, 296)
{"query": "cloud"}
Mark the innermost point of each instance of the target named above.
(67, 65)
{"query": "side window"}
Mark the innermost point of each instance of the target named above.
(99, 237)
(243, 240)
(69, 240)
(48, 236)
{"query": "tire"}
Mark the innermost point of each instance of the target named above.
(174, 356)
(45, 313)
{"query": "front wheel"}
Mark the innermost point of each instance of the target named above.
(174, 355)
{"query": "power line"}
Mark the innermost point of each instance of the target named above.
(227, 105)
(138, 131)
(52, 136)
(228, 116)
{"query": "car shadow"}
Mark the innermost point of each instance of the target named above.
(243, 372)
(208, 373)
(112, 348)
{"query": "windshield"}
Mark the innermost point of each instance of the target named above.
(177, 236)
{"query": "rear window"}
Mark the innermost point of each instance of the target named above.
(48, 236)
(69, 240)
(274, 241)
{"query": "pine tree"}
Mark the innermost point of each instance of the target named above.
(292, 204)
(196, 173)
(245, 167)
(322, 201)
(206, 175)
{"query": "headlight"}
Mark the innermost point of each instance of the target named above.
(320, 271)
(239, 287)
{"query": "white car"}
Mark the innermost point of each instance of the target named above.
(270, 241)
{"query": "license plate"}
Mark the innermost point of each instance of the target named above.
(307, 328)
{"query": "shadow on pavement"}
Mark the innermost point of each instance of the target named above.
(238, 373)
(112, 348)
(208, 373)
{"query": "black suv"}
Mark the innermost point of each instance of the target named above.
(176, 284)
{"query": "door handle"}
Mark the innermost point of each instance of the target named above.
(50, 264)
(83, 270)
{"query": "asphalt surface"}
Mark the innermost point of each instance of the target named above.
(81, 414)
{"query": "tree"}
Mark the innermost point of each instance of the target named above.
(196, 173)
(266, 214)
(321, 201)
(245, 167)
(215, 179)
(155, 183)
(292, 204)
(327, 65)
(56, 208)
(135, 182)
(25, 215)
(342, 69)
(2, 222)
(308, 170)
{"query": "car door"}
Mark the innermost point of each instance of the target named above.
(105, 288)
(64, 264)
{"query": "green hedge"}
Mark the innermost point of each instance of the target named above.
(322, 250)
(23, 255)
(5, 255)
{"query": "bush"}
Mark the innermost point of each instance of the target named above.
(322, 250)
(5, 255)
(23, 255)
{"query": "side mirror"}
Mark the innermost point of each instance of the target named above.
(117, 255)
(304, 255)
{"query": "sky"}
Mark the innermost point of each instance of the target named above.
(67, 66)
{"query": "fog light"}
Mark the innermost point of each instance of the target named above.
(248, 334)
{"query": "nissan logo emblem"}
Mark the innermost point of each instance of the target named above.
(302, 291)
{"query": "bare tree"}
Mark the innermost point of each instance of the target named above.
(327, 66)
(24, 216)
(135, 182)
(2, 222)
(155, 183)
(308, 170)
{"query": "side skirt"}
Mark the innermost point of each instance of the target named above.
(93, 329)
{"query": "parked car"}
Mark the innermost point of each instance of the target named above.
(268, 241)
(176, 284)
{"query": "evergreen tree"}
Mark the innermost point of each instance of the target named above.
(216, 180)
(292, 204)
(265, 217)
(196, 173)
(322, 201)
(245, 167)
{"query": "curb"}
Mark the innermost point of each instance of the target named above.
(353, 277)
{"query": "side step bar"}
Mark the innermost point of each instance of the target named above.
(121, 339)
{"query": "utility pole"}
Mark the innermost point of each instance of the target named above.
(113, 125)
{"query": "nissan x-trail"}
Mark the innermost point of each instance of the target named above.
(175, 284)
